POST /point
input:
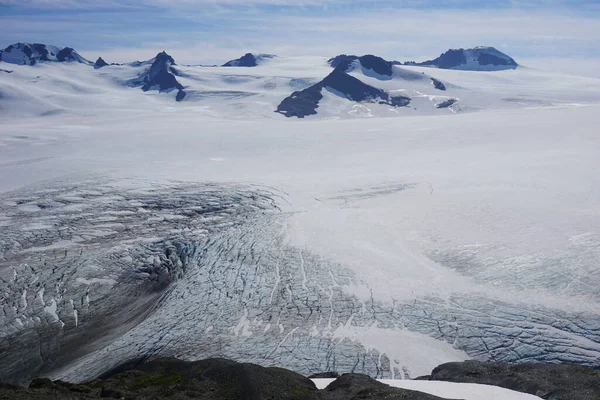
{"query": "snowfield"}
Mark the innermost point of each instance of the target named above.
(464, 391)
(363, 238)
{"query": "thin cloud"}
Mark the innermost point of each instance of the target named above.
(193, 34)
(199, 4)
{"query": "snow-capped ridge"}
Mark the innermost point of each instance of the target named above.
(480, 58)
(33, 53)
(305, 102)
(100, 63)
(371, 65)
(249, 60)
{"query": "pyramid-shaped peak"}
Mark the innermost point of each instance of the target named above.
(100, 63)
(163, 57)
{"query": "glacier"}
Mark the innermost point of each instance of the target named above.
(363, 238)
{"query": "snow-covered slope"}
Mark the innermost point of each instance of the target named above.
(74, 88)
(305, 102)
(31, 54)
(482, 58)
(448, 390)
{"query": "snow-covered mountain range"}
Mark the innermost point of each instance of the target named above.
(303, 87)
(314, 213)
(31, 54)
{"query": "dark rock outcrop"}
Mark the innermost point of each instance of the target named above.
(446, 103)
(368, 62)
(213, 379)
(161, 76)
(305, 102)
(325, 375)
(548, 381)
(66, 54)
(450, 59)
(335, 62)
(248, 60)
(439, 85)
(100, 63)
(478, 58)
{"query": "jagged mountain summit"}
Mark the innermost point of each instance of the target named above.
(160, 76)
(249, 60)
(482, 58)
(31, 54)
(367, 91)
(368, 62)
(100, 63)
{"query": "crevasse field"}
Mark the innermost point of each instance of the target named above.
(364, 238)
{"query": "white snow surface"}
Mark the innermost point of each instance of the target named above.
(464, 391)
(495, 200)
(77, 90)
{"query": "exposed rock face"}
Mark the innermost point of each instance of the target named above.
(325, 375)
(446, 103)
(100, 63)
(248, 60)
(439, 85)
(31, 54)
(368, 62)
(478, 59)
(212, 379)
(305, 102)
(548, 381)
(161, 76)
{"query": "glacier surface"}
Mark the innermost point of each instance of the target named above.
(133, 226)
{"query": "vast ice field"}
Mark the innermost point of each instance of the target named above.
(363, 238)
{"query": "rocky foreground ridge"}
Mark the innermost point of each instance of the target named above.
(169, 378)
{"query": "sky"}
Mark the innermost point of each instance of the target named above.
(562, 35)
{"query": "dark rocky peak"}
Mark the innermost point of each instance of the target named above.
(449, 59)
(66, 54)
(163, 58)
(100, 63)
(342, 59)
(160, 76)
(33, 53)
(482, 58)
(376, 64)
(248, 60)
(368, 63)
(352, 88)
(305, 102)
